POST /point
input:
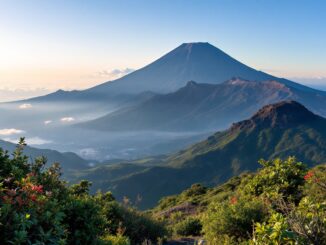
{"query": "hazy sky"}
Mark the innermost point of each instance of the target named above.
(51, 44)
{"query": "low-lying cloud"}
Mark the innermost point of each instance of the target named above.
(29, 141)
(317, 82)
(309, 80)
(37, 141)
(10, 131)
(88, 153)
(67, 119)
(47, 122)
(25, 106)
(115, 73)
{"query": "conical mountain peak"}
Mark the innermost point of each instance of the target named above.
(196, 45)
(195, 61)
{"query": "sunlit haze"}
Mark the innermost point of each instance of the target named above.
(47, 45)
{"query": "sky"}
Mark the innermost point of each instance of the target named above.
(52, 44)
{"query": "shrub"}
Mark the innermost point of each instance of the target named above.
(37, 207)
(279, 178)
(195, 190)
(315, 183)
(233, 219)
(114, 240)
(137, 226)
(83, 220)
(188, 227)
(31, 212)
(276, 231)
(297, 223)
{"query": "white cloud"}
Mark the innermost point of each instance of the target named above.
(47, 122)
(115, 73)
(67, 119)
(88, 153)
(25, 106)
(29, 141)
(37, 141)
(318, 80)
(10, 131)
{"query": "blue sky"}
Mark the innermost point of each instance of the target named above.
(76, 44)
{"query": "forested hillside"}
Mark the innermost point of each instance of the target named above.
(278, 130)
(282, 203)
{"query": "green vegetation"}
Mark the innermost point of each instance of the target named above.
(276, 131)
(69, 161)
(189, 227)
(37, 207)
(283, 203)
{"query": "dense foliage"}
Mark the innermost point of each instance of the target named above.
(37, 207)
(283, 203)
(189, 227)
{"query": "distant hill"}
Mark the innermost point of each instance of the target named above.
(204, 106)
(68, 161)
(278, 130)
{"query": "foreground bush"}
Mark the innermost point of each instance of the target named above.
(37, 207)
(188, 227)
(278, 179)
(283, 203)
(305, 224)
(115, 240)
(30, 208)
(135, 225)
(234, 219)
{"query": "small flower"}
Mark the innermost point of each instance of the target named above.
(233, 200)
(33, 197)
(27, 216)
(37, 188)
(309, 175)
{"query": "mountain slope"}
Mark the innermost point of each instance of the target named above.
(68, 161)
(201, 62)
(204, 106)
(278, 130)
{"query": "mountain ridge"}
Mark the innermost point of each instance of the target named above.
(227, 153)
(198, 106)
(69, 161)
